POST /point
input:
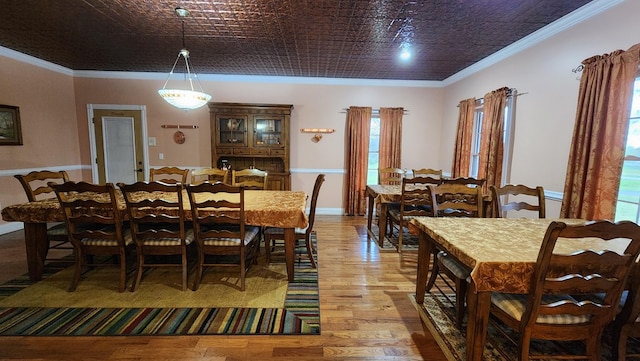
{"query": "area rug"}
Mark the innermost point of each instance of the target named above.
(438, 315)
(390, 243)
(270, 305)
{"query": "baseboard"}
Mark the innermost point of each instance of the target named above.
(11, 227)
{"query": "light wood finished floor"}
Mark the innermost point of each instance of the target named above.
(365, 312)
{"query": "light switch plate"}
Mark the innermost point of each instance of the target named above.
(152, 141)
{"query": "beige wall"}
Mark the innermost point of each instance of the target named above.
(49, 125)
(315, 106)
(55, 128)
(545, 115)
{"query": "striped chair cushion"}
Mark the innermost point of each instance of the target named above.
(189, 237)
(250, 232)
(59, 229)
(514, 304)
(454, 266)
(105, 242)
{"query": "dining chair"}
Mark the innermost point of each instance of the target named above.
(249, 178)
(158, 226)
(627, 322)
(95, 227)
(223, 236)
(427, 172)
(274, 234)
(414, 202)
(454, 200)
(576, 286)
(390, 176)
(519, 197)
(169, 175)
(36, 187)
(468, 181)
(211, 175)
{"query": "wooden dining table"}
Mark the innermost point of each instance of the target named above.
(268, 208)
(500, 252)
(382, 195)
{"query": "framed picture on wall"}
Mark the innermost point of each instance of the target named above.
(10, 130)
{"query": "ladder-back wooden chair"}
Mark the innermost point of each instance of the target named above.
(273, 234)
(415, 201)
(211, 175)
(36, 187)
(95, 226)
(454, 200)
(169, 175)
(223, 234)
(427, 172)
(517, 198)
(158, 226)
(576, 287)
(249, 178)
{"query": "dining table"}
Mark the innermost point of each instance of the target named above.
(383, 195)
(266, 208)
(500, 253)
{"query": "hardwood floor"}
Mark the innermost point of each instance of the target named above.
(365, 314)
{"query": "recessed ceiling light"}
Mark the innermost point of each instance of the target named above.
(405, 54)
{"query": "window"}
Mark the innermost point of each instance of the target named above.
(374, 150)
(628, 207)
(509, 118)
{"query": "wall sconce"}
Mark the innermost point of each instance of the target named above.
(318, 132)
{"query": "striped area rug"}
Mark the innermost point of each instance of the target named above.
(300, 315)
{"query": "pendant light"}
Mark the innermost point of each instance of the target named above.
(186, 98)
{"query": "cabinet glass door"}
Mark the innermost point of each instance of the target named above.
(268, 132)
(232, 131)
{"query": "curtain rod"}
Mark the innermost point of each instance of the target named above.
(375, 111)
(511, 90)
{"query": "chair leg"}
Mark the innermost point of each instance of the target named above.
(461, 295)
(123, 272)
(400, 231)
(243, 269)
(309, 252)
(138, 275)
(620, 343)
(199, 266)
(184, 268)
(434, 272)
(78, 270)
(267, 248)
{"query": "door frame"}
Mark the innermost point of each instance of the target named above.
(92, 140)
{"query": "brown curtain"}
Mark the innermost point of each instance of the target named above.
(357, 159)
(599, 136)
(390, 137)
(462, 151)
(492, 137)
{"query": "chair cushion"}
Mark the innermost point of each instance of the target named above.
(250, 233)
(276, 230)
(58, 229)
(170, 241)
(514, 305)
(457, 268)
(106, 242)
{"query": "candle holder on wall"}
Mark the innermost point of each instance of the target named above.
(318, 132)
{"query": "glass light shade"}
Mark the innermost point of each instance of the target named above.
(184, 99)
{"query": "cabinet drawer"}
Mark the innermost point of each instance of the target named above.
(225, 151)
(277, 151)
(259, 151)
(241, 151)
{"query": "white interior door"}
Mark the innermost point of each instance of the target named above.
(119, 150)
(118, 137)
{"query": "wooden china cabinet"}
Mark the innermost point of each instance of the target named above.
(252, 135)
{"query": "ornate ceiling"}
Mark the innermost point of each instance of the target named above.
(302, 38)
